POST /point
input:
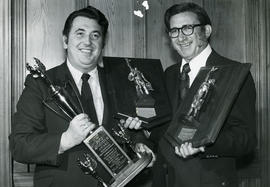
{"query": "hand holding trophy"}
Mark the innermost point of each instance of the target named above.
(117, 167)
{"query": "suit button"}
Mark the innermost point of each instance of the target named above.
(223, 183)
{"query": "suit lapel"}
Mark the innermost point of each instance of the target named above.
(175, 88)
(214, 59)
(104, 92)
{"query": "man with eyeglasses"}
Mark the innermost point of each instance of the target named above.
(189, 29)
(41, 134)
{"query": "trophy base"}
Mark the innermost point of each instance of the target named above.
(188, 130)
(145, 101)
(185, 132)
(130, 172)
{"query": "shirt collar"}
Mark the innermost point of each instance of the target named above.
(76, 74)
(200, 60)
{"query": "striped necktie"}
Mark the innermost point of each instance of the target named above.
(184, 81)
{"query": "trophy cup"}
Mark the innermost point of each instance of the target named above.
(108, 162)
(58, 95)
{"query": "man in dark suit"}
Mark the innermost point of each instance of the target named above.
(41, 133)
(189, 29)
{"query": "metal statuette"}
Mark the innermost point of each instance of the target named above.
(200, 96)
(142, 85)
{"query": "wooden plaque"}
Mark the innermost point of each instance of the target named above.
(154, 108)
(203, 128)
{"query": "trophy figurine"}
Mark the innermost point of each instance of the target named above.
(125, 139)
(108, 162)
(88, 166)
(189, 121)
(201, 95)
(145, 103)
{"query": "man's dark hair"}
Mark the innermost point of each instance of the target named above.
(89, 12)
(186, 7)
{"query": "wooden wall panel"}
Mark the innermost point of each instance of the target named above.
(120, 33)
(45, 22)
(139, 31)
(5, 87)
(18, 49)
(81, 4)
(263, 84)
(228, 22)
(158, 42)
(20, 171)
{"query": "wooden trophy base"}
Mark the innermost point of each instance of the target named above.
(130, 172)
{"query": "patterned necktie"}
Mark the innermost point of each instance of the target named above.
(184, 81)
(87, 99)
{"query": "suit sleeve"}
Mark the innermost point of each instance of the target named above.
(238, 135)
(30, 141)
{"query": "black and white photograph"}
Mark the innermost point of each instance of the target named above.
(135, 93)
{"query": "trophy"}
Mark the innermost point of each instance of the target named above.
(204, 110)
(108, 162)
(145, 103)
(189, 128)
(58, 95)
(137, 89)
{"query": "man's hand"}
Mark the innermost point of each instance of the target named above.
(133, 123)
(142, 148)
(186, 150)
(79, 127)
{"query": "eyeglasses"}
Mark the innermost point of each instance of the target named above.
(186, 30)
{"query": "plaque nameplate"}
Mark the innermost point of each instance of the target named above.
(107, 151)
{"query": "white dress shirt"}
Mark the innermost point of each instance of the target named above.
(94, 86)
(196, 63)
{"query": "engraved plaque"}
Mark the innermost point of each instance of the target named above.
(113, 158)
(107, 151)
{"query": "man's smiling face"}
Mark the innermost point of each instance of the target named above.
(190, 46)
(84, 43)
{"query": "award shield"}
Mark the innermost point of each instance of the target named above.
(204, 110)
(107, 161)
(138, 89)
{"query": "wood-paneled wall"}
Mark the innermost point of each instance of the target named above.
(240, 31)
(5, 87)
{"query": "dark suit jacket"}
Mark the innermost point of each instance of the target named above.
(215, 167)
(37, 129)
